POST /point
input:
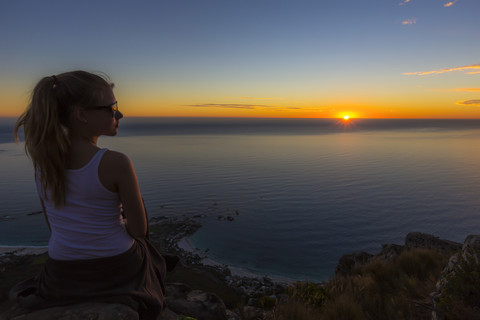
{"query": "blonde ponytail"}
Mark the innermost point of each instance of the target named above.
(47, 120)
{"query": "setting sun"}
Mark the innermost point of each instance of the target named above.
(346, 117)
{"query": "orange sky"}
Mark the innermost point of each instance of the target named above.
(417, 103)
(379, 59)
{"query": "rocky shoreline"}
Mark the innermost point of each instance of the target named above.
(172, 233)
(200, 287)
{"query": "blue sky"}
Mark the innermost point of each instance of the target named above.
(276, 58)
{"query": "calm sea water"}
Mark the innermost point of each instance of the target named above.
(306, 191)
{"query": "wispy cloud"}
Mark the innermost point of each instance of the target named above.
(449, 4)
(253, 98)
(240, 106)
(228, 105)
(469, 103)
(466, 69)
(458, 90)
(404, 2)
(412, 20)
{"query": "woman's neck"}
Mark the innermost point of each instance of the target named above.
(81, 140)
(81, 151)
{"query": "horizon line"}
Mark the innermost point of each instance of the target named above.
(284, 118)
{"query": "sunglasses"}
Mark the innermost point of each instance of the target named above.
(113, 107)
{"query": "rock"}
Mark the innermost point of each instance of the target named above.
(181, 300)
(417, 240)
(413, 240)
(390, 251)
(177, 290)
(97, 311)
(471, 242)
(350, 262)
(194, 303)
(232, 316)
(168, 314)
(250, 312)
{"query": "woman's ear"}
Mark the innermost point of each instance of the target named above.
(79, 114)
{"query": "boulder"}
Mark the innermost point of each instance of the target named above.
(97, 311)
(414, 240)
(471, 242)
(181, 301)
(201, 305)
(350, 262)
(390, 251)
(250, 312)
(418, 240)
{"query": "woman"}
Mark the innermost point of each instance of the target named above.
(94, 254)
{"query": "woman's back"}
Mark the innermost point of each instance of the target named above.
(88, 225)
(83, 189)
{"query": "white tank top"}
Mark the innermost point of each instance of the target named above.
(89, 224)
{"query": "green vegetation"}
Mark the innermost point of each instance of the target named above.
(310, 293)
(397, 289)
(461, 292)
(267, 302)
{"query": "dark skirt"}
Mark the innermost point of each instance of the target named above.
(135, 278)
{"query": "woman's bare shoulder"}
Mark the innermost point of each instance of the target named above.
(115, 159)
(115, 169)
(111, 155)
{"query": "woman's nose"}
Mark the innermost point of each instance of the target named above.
(119, 115)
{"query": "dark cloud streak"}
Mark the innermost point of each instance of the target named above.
(469, 103)
(239, 106)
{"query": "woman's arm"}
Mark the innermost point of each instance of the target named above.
(117, 174)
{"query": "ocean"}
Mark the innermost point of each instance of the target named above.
(302, 192)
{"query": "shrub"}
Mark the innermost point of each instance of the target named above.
(397, 289)
(312, 294)
(344, 307)
(267, 302)
(461, 293)
(294, 310)
(419, 263)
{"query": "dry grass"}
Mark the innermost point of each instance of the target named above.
(398, 289)
(294, 310)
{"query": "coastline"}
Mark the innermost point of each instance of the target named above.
(173, 234)
(421, 253)
(186, 245)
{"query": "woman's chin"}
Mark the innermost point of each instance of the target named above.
(111, 133)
